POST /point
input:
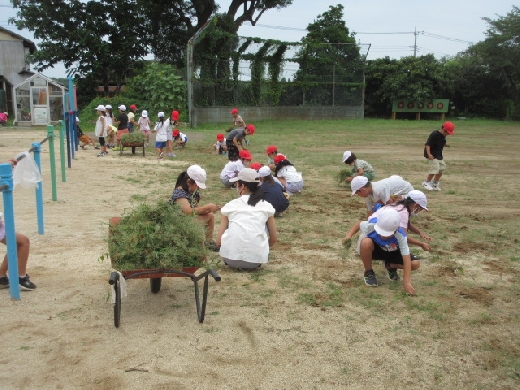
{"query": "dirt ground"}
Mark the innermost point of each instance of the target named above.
(304, 321)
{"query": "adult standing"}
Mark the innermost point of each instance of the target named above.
(382, 192)
(235, 141)
(242, 236)
(433, 152)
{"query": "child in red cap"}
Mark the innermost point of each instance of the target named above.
(238, 122)
(433, 152)
(179, 138)
(291, 180)
(220, 145)
(246, 157)
(271, 152)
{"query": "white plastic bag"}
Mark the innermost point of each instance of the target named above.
(26, 172)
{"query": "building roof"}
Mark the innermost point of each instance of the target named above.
(26, 42)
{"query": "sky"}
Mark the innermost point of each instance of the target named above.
(382, 27)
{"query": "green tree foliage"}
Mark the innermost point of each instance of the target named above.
(329, 57)
(500, 53)
(96, 38)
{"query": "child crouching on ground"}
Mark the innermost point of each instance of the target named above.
(220, 145)
(291, 180)
(359, 167)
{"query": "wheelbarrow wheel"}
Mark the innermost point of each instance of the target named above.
(117, 305)
(155, 285)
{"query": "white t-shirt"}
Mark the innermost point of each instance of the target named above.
(162, 131)
(246, 237)
(384, 189)
(290, 174)
(230, 169)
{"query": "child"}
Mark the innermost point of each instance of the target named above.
(144, 126)
(433, 152)
(23, 245)
(111, 130)
(220, 145)
(255, 165)
(292, 181)
(386, 240)
(382, 192)
(238, 122)
(234, 141)
(359, 167)
(246, 157)
(100, 130)
(179, 138)
(273, 191)
(174, 117)
(230, 171)
(161, 127)
(3, 118)
(271, 152)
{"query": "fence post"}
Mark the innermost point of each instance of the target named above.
(62, 150)
(6, 179)
(67, 134)
(50, 137)
(36, 147)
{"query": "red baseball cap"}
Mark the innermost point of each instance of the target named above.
(449, 127)
(175, 133)
(133, 107)
(279, 157)
(234, 111)
(175, 115)
(245, 154)
(271, 149)
(251, 129)
(220, 137)
(255, 165)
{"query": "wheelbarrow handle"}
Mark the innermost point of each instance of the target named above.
(214, 274)
(114, 276)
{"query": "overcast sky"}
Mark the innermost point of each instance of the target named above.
(444, 27)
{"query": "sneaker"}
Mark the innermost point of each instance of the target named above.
(436, 187)
(427, 186)
(161, 155)
(105, 153)
(392, 274)
(101, 154)
(26, 284)
(413, 257)
(116, 149)
(4, 282)
(370, 279)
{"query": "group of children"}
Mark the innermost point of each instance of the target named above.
(391, 203)
(110, 130)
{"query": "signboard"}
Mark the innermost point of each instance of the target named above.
(40, 116)
(434, 106)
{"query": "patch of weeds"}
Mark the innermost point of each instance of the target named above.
(335, 295)
(267, 294)
(451, 192)
(307, 299)
(434, 310)
(214, 313)
(211, 329)
(132, 179)
(257, 276)
(371, 299)
(25, 348)
(514, 258)
(286, 280)
(440, 334)
(138, 198)
(176, 305)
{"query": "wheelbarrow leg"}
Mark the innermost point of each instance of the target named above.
(114, 281)
(155, 285)
(201, 308)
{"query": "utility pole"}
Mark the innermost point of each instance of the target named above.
(415, 43)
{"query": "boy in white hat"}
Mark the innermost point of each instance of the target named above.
(100, 130)
(385, 240)
(359, 167)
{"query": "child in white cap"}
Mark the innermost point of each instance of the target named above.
(161, 138)
(359, 167)
(386, 240)
(144, 126)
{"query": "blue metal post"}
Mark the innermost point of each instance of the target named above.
(6, 177)
(39, 191)
(67, 135)
(62, 151)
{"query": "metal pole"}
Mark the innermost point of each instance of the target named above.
(39, 190)
(67, 134)
(62, 150)
(6, 178)
(50, 136)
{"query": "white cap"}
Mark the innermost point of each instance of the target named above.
(264, 171)
(122, 107)
(346, 155)
(144, 114)
(247, 175)
(100, 108)
(387, 222)
(419, 198)
(160, 114)
(197, 174)
(77, 119)
(108, 106)
(357, 183)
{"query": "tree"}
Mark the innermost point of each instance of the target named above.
(329, 59)
(500, 52)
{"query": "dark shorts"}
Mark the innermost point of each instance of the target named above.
(102, 141)
(393, 257)
(232, 151)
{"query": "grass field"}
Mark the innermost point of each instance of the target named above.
(305, 320)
